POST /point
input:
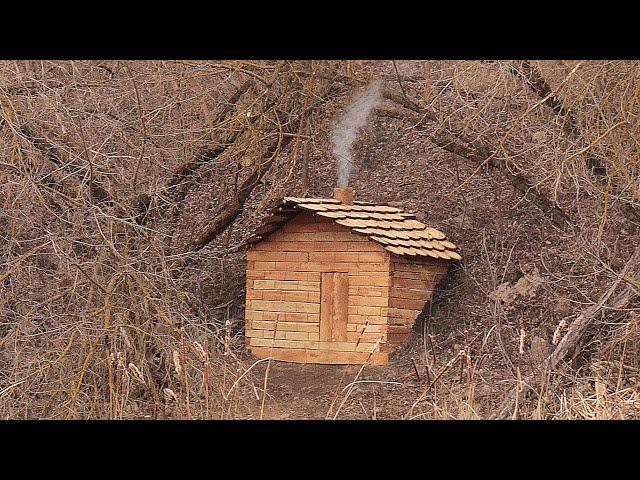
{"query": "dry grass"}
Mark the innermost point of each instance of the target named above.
(126, 189)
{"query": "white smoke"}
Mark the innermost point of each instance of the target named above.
(347, 128)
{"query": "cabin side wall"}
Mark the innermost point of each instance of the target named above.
(284, 274)
(411, 287)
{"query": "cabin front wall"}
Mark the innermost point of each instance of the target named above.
(411, 287)
(283, 309)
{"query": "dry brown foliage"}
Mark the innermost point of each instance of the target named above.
(127, 188)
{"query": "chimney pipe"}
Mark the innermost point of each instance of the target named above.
(345, 195)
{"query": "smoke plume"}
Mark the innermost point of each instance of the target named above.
(347, 128)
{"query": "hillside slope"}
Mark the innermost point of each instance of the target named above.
(128, 189)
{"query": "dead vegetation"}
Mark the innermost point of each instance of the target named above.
(127, 188)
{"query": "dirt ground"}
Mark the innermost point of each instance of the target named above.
(420, 374)
(297, 391)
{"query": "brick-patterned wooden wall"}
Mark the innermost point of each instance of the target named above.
(283, 293)
(411, 287)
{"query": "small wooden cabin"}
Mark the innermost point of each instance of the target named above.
(330, 280)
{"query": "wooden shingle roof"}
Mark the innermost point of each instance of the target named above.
(394, 229)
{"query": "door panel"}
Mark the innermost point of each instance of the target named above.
(334, 306)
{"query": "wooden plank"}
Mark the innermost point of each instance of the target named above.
(368, 291)
(323, 357)
(346, 346)
(314, 228)
(417, 305)
(260, 315)
(306, 227)
(281, 317)
(403, 313)
(276, 343)
(341, 305)
(407, 283)
(357, 319)
(278, 334)
(286, 285)
(282, 236)
(398, 321)
(253, 333)
(277, 306)
(416, 275)
(326, 305)
(288, 326)
(301, 317)
(350, 257)
(439, 269)
(264, 266)
(410, 294)
(370, 337)
(419, 264)
(277, 256)
(368, 301)
(253, 294)
(334, 301)
(331, 226)
(287, 276)
(322, 266)
(379, 280)
(288, 295)
(367, 310)
(353, 327)
(374, 257)
(317, 246)
(425, 276)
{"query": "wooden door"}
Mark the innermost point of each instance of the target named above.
(334, 306)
